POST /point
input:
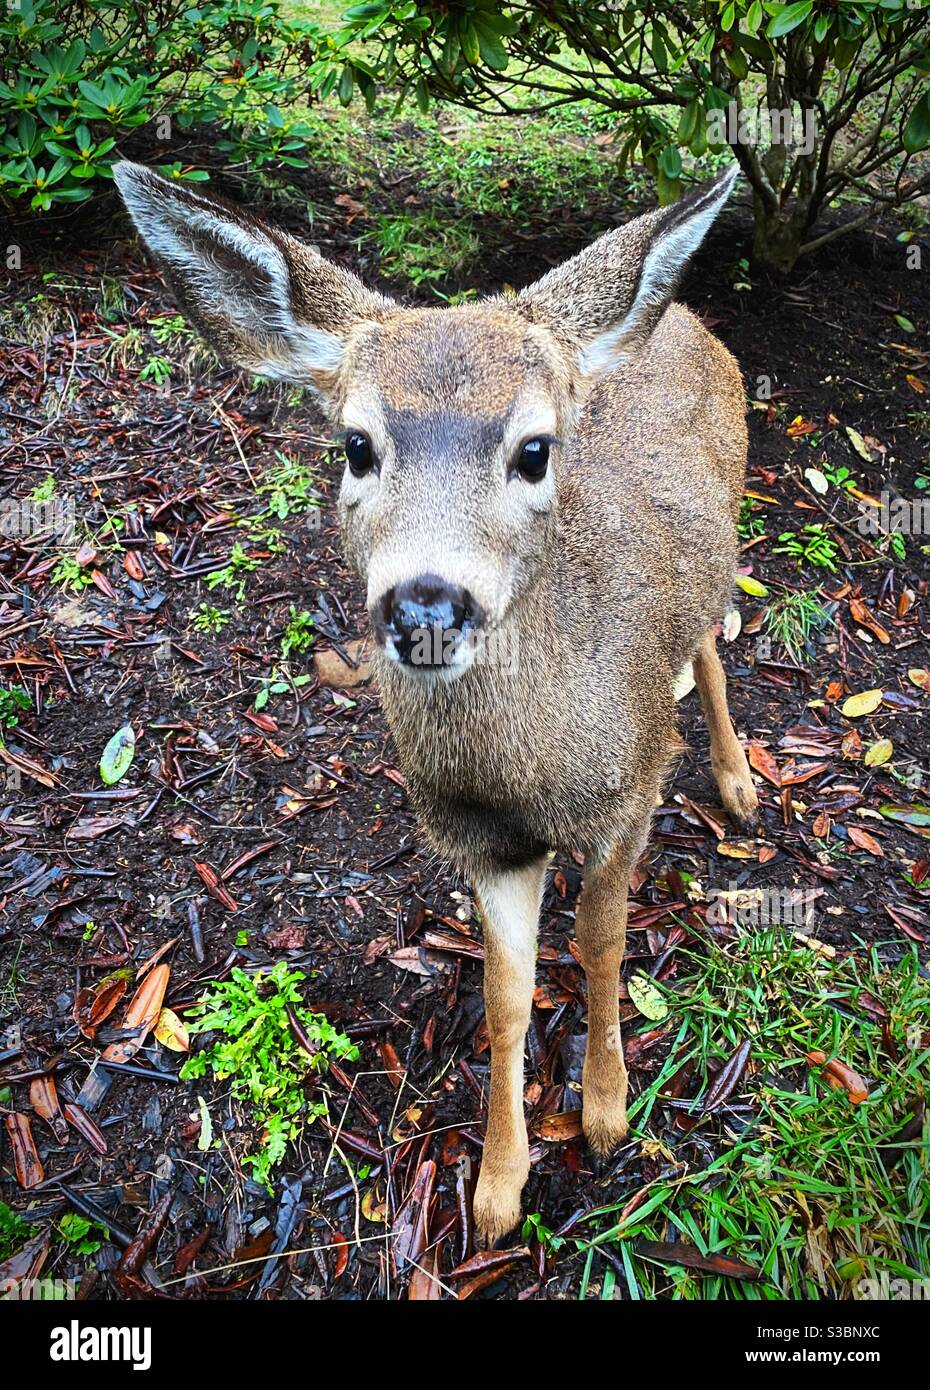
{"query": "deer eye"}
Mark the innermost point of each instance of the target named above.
(359, 454)
(533, 459)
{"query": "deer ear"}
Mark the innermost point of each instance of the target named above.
(265, 300)
(607, 300)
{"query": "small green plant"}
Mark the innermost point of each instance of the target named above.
(750, 524)
(841, 478)
(534, 1229)
(275, 685)
(14, 701)
(793, 619)
(81, 1233)
(233, 574)
(44, 491)
(206, 618)
(258, 1019)
(298, 635)
(13, 1231)
(124, 347)
(289, 487)
(90, 928)
(70, 575)
(813, 545)
(157, 369)
(171, 330)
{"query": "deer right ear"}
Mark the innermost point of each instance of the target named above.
(265, 300)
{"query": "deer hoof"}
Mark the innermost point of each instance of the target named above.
(739, 798)
(497, 1206)
(605, 1126)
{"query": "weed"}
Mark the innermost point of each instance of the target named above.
(14, 701)
(290, 487)
(233, 574)
(81, 1233)
(70, 575)
(298, 635)
(206, 618)
(750, 524)
(259, 1018)
(13, 1231)
(793, 620)
(812, 545)
(44, 491)
(157, 369)
(534, 1229)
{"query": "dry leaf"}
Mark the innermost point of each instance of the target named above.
(866, 702)
(141, 1016)
(879, 753)
(864, 840)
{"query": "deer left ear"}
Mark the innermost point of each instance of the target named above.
(265, 300)
(607, 300)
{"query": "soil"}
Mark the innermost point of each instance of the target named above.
(343, 887)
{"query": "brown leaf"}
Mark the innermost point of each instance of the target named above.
(864, 840)
(211, 882)
(141, 1016)
(676, 1253)
(729, 1076)
(43, 1095)
(762, 760)
(28, 1165)
(559, 1127)
(86, 1128)
(411, 1222)
(485, 1260)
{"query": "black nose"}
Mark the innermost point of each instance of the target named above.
(427, 619)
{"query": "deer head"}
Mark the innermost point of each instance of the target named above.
(456, 421)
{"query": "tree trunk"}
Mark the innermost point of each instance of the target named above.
(779, 235)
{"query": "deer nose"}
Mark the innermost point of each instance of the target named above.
(426, 618)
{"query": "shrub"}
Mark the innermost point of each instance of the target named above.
(79, 76)
(688, 75)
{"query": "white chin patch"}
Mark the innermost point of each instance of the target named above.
(684, 683)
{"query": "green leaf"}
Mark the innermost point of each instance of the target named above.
(647, 997)
(788, 18)
(917, 131)
(117, 757)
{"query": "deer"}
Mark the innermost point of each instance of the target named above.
(540, 496)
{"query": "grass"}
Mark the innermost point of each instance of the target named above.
(794, 619)
(809, 1188)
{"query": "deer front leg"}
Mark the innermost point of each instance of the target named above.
(510, 902)
(600, 926)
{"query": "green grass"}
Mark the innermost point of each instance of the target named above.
(793, 619)
(808, 1188)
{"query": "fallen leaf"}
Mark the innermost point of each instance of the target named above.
(863, 840)
(141, 1016)
(920, 676)
(751, 586)
(26, 1161)
(879, 753)
(866, 702)
(171, 1032)
(647, 996)
(117, 756)
(762, 760)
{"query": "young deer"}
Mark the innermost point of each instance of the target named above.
(554, 477)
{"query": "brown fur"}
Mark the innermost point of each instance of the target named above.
(599, 583)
